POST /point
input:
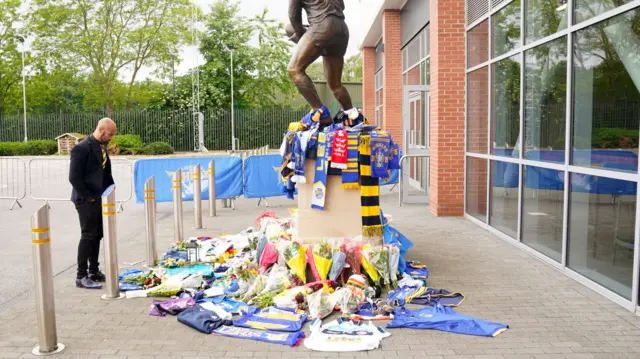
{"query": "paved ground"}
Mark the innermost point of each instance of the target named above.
(550, 315)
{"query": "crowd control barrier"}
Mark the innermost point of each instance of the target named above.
(228, 177)
(13, 184)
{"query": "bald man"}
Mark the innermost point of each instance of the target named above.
(90, 175)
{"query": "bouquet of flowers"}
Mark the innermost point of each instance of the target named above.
(394, 261)
(367, 254)
(338, 261)
(296, 260)
(269, 256)
(147, 280)
(173, 263)
(353, 252)
(321, 255)
(321, 304)
(379, 258)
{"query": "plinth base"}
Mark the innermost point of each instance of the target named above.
(36, 351)
(341, 217)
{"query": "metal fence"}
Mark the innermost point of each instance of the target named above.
(254, 127)
(13, 176)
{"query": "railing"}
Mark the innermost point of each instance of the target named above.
(401, 177)
(13, 176)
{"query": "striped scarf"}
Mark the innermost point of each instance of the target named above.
(350, 175)
(369, 194)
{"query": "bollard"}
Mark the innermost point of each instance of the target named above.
(178, 230)
(150, 216)
(266, 150)
(212, 188)
(197, 197)
(43, 276)
(110, 246)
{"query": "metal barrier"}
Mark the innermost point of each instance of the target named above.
(110, 246)
(401, 175)
(13, 179)
(43, 273)
(49, 179)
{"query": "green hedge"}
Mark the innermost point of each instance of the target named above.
(127, 143)
(156, 148)
(614, 138)
(31, 148)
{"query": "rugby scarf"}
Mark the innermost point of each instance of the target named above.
(320, 179)
(339, 150)
(369, 194)
(301, 139)
(350, 175)
(380, 148)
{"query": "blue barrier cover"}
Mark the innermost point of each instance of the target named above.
(262, 177)
(228, 177)
(393, 178)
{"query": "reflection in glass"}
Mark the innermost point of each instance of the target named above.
(545, 101)
(601, 231)
(586, 9)
(606, 108)
(543, 211)
(505, 100)
(477, 110)
(412, 77)
(477, 188)
(478, 44)
(504, 197)
(544, 18)
(506, 29)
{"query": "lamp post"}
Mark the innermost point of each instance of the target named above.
(233, 127)
(24, 90)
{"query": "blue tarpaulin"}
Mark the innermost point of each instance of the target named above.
(262, 177)
(228, 177)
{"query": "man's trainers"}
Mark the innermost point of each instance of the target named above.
(87, 283)
(97, 277)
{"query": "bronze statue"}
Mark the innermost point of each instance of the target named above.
(327, 35)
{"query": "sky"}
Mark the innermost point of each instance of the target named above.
(358, 15)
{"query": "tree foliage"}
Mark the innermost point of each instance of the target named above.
(352, 71)
(110, 37)
(10, 58)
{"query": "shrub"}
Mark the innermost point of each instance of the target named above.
(614, 138)
(157, 148)
(126, 143)
(31, 148)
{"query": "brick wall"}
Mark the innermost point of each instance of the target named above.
(447, 107)
(392, 77)
(368, 82)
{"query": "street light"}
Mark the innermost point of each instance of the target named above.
(24, 90)
(233, 127)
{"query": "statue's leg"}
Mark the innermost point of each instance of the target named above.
(333, 66)
(305, 54)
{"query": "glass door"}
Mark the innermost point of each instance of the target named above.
(415, 126)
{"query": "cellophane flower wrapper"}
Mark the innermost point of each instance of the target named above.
(262, 242)
(353, 253)
(287, 299)
(168, 288)
(338, 261)
(321, 304)
(278, 278)
(296, 259)
(322, 255)
(256, 287)
(269, 256)
(312, 263)
(394, 261)
(368, 267)
(380, 261)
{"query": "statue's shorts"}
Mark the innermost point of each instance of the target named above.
(331, 35)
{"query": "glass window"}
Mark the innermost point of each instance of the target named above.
(477, 188)
(544, 18)
(413, 76)
(478, 110)
(504, 197)
(543, 211)
(478, 44)
(427, 40)
(601, 234)
(505, 98)
(413, 52)
(545, 101)
(606, 87)
(586, 9)
(506, 29)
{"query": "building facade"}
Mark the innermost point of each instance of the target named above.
(531, 115)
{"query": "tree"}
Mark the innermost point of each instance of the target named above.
(259, 72)
(108, 37)
(10, 58)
